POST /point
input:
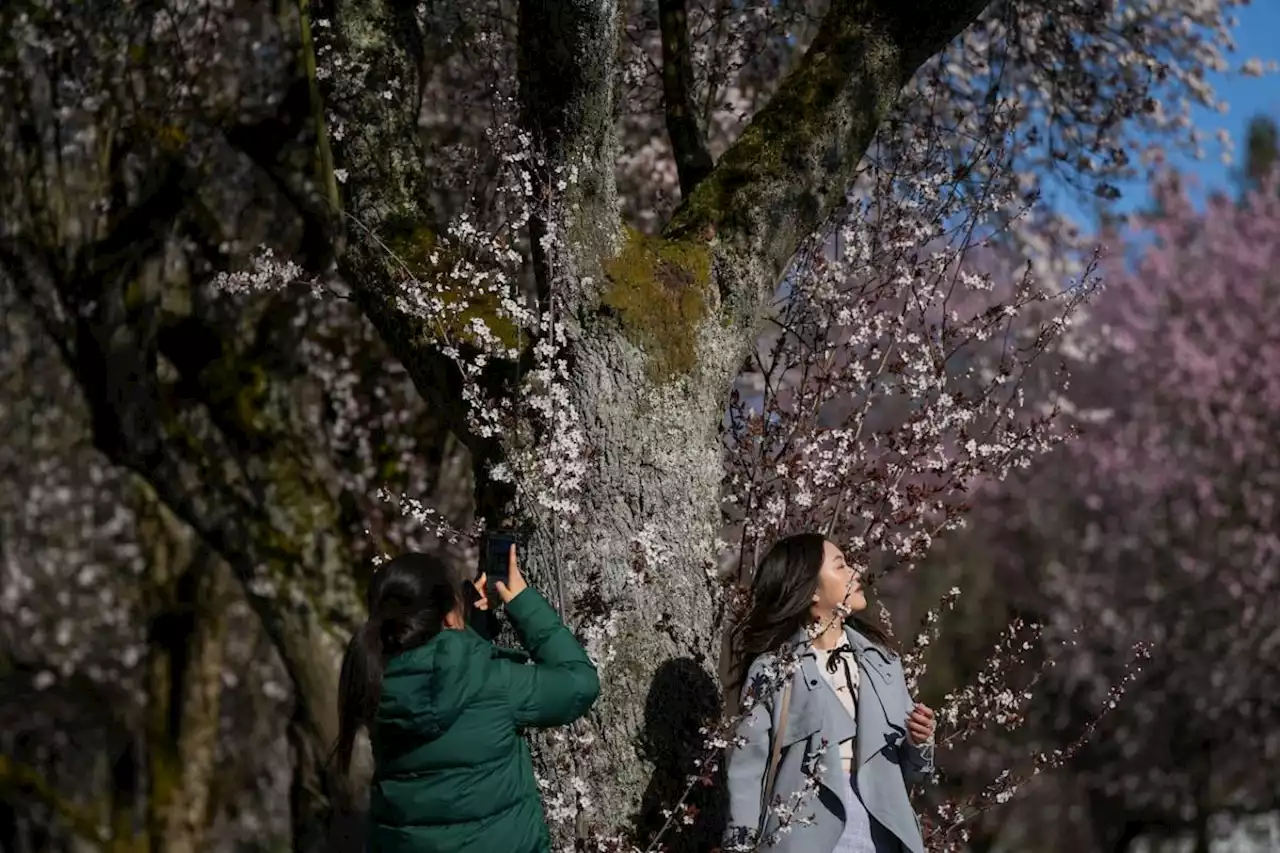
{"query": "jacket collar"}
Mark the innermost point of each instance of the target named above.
(873, 727)
(873, 659)
(873, 656)
(495, 650)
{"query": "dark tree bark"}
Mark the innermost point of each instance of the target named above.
(190, 589)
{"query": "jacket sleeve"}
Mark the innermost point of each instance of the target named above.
(916, 761)
(746, 762)
(561, 685)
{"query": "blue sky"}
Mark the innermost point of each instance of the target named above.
(1257, 36)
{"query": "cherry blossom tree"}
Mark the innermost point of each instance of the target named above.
(259, 395)
(111, 606)
(1158, 523)
(1192, 414)
(116, 629)
(586, 366)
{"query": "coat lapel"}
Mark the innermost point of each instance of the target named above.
(816, 709)
(804, 719)
(875, 729)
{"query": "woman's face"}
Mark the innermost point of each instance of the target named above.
(836, 584)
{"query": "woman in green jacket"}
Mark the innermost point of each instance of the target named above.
(445, 708)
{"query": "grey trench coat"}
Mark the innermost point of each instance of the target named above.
(886, 761)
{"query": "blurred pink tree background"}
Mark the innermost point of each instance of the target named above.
(1158, 524)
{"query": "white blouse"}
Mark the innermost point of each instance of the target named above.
(845, 681)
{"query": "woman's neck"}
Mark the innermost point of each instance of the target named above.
(831, 637)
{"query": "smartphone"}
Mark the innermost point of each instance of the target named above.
(497, 545)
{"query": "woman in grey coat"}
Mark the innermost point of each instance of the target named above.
(828, 754)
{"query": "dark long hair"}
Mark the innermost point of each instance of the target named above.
(781, 598)
(409, 598)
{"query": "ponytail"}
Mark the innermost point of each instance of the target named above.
(359, 687)
(409, 598)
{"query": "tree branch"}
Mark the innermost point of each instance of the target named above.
(272, 144)
(567, 64)
(795, 161)
(693, 160)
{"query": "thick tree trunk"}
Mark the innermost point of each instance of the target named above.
(201, 701)
(654, 352)
(182, 780)
(311, 809)
(637, 568)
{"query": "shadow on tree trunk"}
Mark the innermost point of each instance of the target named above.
(682, 699)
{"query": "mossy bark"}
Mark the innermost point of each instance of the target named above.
(391, 234)
(795, 161)
(650, 373)
(661, 290)
(282, 530)
(567, 70)
(20, 781)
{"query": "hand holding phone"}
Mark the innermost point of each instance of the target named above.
(501, 568)
(514, 584)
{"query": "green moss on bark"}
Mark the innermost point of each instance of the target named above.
(295, 504)
(800, 151)
(661, 290)
(416, 246)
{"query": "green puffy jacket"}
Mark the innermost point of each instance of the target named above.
(453, 771)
